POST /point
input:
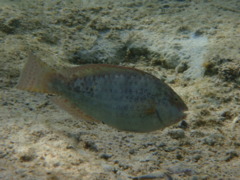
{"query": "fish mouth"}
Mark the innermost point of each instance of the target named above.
(183, 116)
(185, 108)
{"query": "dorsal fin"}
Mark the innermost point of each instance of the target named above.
(97, 69)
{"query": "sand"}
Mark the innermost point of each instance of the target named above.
(191, 45)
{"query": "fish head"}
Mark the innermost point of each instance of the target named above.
(170, 108)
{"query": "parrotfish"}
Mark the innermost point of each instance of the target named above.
(124, 98)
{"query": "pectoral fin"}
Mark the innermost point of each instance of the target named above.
(71, 108)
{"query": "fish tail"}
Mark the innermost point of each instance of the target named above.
(36, 76)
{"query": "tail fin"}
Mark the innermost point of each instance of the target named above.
(36, 76)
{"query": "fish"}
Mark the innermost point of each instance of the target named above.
(124, 98)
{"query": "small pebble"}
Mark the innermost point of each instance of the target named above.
(132, 151)
(179, 156)
(197, 157)
(183, 124)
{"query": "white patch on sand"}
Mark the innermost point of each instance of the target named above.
(192, 49)
(195, 49)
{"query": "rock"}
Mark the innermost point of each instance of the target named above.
(200, 177)
(225, 114)
(91, 146)
(183, 124)
(28, 155)
(172, 60)
(154, 175)
(230, 71)
(147, 158)
(161, 144)
(3, 154)
(182, 169)
(176, 133)
(197, 157)
(230, 155)
(108, 168)
(179, 156)
(170, 79)
(103, 51)
(181, 67)
(124, 166)
(105, 156)
(213, 139)
(132, 151)
(26, 158)
(170, 149)
(10, 25)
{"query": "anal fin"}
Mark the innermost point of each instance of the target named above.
(68, 106)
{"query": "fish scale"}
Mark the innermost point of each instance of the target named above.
(125, 98)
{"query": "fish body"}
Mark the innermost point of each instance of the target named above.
(125, 98)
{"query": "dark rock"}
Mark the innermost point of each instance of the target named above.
(5, 103)
(10, 25)
(132, 151)
(230, 155)
(162, 144)
(229, 71)
(179, 156)
(91, 146)
(170, 149)
(105, 156)
(69, 147)
(3, 154)
(103, 51)
(184, 30)
(133, 54)
(183, 124)
(26, 158)
(172, 61)
(198, 33)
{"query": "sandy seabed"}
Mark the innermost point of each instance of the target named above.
(191, 45)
